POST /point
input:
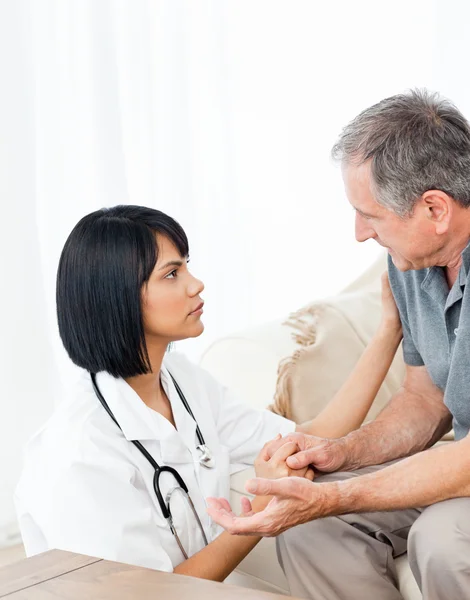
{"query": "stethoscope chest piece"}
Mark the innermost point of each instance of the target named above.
(206, 458)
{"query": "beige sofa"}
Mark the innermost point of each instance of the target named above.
(248, 364)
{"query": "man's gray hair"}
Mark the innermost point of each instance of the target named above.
(416, 141)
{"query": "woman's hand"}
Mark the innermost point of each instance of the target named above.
(274, 466)
(390, 315)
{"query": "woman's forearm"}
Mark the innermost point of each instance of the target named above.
(217, 560)
(349, 407)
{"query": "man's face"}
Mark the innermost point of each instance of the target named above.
(410, 241)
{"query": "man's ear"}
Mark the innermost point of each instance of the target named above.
(438, 207)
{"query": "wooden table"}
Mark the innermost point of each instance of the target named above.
(62, 575)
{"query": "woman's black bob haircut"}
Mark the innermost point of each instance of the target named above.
(106, 260)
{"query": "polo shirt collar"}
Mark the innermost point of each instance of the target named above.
(435, 282)
(465, 268)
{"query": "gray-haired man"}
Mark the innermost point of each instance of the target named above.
(406, 169)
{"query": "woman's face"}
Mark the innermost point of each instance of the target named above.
(171, 302)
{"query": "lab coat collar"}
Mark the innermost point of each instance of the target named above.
(134, 417)
(138, 421)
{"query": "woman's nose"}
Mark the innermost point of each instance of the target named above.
(195, 287)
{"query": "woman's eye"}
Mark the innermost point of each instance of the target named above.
(171, 275)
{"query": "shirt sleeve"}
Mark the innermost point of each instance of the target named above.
(95, 509)
(411, 354)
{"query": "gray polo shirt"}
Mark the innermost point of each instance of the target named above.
(436, 331)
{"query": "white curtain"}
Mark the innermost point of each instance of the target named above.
(221, 113)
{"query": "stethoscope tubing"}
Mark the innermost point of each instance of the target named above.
(188, 408)
(158, 470)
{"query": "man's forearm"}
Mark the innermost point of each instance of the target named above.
(418, 481)
(408, 424)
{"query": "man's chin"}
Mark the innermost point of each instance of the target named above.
(400, 263)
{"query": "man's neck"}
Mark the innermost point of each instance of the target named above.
(450, 257)
(451, 275)
(453, 262)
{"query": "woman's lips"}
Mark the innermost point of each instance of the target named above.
(198, 310)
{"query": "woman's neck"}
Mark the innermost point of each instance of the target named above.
(149, 388)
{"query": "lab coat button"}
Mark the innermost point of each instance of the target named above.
(456, 330)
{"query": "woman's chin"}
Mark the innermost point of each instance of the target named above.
(189, 332)
(196, 329)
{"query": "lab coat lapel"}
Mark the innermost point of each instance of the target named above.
(208, 479)
(133, 415)
(184, 437)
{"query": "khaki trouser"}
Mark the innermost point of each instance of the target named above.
(351, 557)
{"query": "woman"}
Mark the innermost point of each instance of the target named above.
(89, 485)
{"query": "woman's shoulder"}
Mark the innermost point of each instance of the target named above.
(187, 372)
(78, 430)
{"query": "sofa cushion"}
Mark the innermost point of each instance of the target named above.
(330, 338)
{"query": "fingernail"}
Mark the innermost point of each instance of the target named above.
(293, 461)
(251, 486)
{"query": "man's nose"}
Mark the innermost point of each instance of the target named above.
(363, 230)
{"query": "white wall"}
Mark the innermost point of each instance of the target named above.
(220, 112)
(26, 366)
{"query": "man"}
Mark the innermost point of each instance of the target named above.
(406, 169)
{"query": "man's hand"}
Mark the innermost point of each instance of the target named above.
(323, 454)
(296, 500)
(273, 465)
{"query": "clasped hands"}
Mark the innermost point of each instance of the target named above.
(284, 488)
(273, 460)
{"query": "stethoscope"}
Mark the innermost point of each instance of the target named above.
(206, 459)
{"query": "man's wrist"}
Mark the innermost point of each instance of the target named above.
(351, 451)
(337, 499)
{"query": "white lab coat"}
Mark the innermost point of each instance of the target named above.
(86, 488)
